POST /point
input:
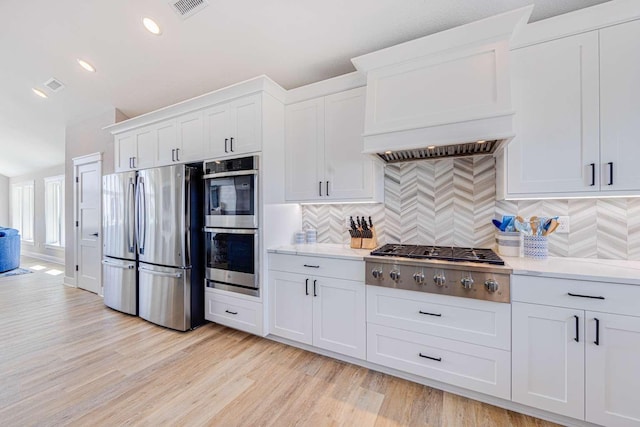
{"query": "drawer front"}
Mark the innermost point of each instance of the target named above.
(594, 296)
(474, 367)
(318, 266)
(234, 312)
(473, 321)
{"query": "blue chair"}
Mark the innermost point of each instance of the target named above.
(9, 249)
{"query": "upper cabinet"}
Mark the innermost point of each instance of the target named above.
(234, 127)
(576, 116)
(323, 144)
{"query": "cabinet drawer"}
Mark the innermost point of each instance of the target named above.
(473, 321)
(234, 312)
(474, 367)
(318, 266)
(609, 297)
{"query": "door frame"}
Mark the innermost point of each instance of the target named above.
(77, 162)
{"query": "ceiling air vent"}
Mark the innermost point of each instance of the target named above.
(187, 8)
(54, 84)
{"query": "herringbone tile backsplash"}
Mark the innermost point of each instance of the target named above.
(452, 202)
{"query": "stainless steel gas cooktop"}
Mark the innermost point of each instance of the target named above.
(462, 272)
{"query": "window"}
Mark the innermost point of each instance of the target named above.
(22, 214)
(54, 210)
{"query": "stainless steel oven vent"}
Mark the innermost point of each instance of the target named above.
(442, 151)
(187, 8)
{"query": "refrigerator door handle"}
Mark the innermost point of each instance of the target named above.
(160, 273)
(130, 231)
(124, 267)
(139, 217)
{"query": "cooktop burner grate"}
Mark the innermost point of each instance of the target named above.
(443, 253)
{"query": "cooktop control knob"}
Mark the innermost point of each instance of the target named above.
(418, 277)
(439, 279)
(394, 274)
(491, 285)
(466, 282)
(376, 273)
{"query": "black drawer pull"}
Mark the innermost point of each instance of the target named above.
(429, 314)
(231, 312)
(306, 287)
(437, 359)
(593, 174)
(315, 293)
(312, 266)
(583, 296)
(610, 173)
(597, 341)
(577, 338)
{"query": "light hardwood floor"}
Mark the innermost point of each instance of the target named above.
(66, 359)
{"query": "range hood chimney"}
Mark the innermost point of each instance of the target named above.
(443, 95)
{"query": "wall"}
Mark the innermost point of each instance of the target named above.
(452, 202)
(4, 201)
(38, 249)
(82, 138)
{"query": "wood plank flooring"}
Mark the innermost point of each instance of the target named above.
(66, 359)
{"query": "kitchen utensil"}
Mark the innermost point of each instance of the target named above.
(507, 223)
(498, 224)
(534, 224)
(552, 227)
(370, 223)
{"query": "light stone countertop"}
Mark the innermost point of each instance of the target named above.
(325, 250)
(589, 269)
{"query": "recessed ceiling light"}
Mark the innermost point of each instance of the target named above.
(151, 26)
(84, 64)
(38, 92)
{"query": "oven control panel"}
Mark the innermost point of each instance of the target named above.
(458, 280)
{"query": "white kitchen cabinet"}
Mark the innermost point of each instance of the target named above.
(324, 160)
(237, 313)
(612, 369)
(555, 95)
(619, 107)
(167, 142)
(576, 116)
(233, 128)
(575, 349)
(326, 312)
(136, 149)
(547, 361)
(190, 138)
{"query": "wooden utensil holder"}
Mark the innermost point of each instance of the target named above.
(371, 242)
(356, 242)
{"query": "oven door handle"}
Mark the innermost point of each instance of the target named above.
(231, 230)
(228, 174)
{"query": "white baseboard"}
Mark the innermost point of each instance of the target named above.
(70, 281)
(44, 257)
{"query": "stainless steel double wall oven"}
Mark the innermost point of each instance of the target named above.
(231, 225)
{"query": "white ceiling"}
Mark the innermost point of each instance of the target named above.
(295, 42)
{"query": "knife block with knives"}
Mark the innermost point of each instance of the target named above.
(363, 235)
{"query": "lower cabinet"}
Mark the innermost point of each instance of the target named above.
(325, 312)
(575, 360)
(234, 312)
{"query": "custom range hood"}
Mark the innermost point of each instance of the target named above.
(443, 95)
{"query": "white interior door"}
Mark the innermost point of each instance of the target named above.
(88, 174)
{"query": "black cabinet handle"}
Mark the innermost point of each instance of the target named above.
(133, 161)
(593, 174)
(610, 173)
(577, 338)
(95, 234)
(177, 154)
(583, 296)
(311, 266)
(130, 163)
(231, 312)
(306, 287)
(429, 314)
(173, 155)
(597, 341)
(315, 294)
(320, 188)
(231, 144)
(327, 188)
(437, 359)
(226, 140)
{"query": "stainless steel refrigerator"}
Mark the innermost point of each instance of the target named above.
(167, 218)
(119, 262)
